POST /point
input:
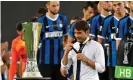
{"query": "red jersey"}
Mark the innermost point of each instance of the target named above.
(18, 52)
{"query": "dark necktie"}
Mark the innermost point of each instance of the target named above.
(79, 63)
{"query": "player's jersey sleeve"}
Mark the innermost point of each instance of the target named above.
(93, 27)
(40, 20)
(13, 66)
(65, 30)
(71, 30)
(104, 29)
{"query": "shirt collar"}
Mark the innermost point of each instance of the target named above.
(86, 40)
(116, 18)
(131, 17)
(53, 19)
(102, 15)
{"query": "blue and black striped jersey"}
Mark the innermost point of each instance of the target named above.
(51, 49)
(95, 25)
(124, 25)
(110, 29)
(71, 30)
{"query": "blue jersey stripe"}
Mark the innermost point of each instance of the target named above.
(61, 49)
(114, 53)
(55, 51)
(47, 52)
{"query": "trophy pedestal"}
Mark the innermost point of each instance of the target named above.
(34, 78)
(31, 70)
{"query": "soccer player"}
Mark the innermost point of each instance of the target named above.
(41, 12)
(51, 48)
(125, 29)
(18, 52)
(125, 23)
(89, 10)
(74, 19)
(4, 61)
(110, 30)
(106, 7)
(96, 23)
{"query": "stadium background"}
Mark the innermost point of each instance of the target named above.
(14, 11)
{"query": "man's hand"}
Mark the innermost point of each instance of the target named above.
(5, 58)
(82, 57)
(63, 72)
(68, 47)
(3, 68)
(4, 46)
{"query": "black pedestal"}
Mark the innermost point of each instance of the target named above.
(34, 78)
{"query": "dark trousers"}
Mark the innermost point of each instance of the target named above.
(52, 71)
(2, 76)
(112, 73)
(104, 75)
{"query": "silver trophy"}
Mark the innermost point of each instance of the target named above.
(127, 47)
(31, 36)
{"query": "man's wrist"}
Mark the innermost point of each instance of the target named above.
(66, 51)
(86, 60)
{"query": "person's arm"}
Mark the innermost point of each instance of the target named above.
(120, 34)
(65, 29)
(40, 20)
(66, 60)
(100, 40)
(18, 69)
(13, 66)
(104, 29)
(100, 59)
(117, 43)
(71, 33)
(70, 39)
(93, 29)
(83, 58)
(22, 68)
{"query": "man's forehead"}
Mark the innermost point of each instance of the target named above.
(54, 2)
(105, 1)
(117, 2)
(75, 30)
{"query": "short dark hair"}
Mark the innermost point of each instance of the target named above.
(34, 19)
(41, 10)
(91, 4)
(76, 18)
(81, 25)
(19, 26)
(47, 2)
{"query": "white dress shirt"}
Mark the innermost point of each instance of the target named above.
(92, 50)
